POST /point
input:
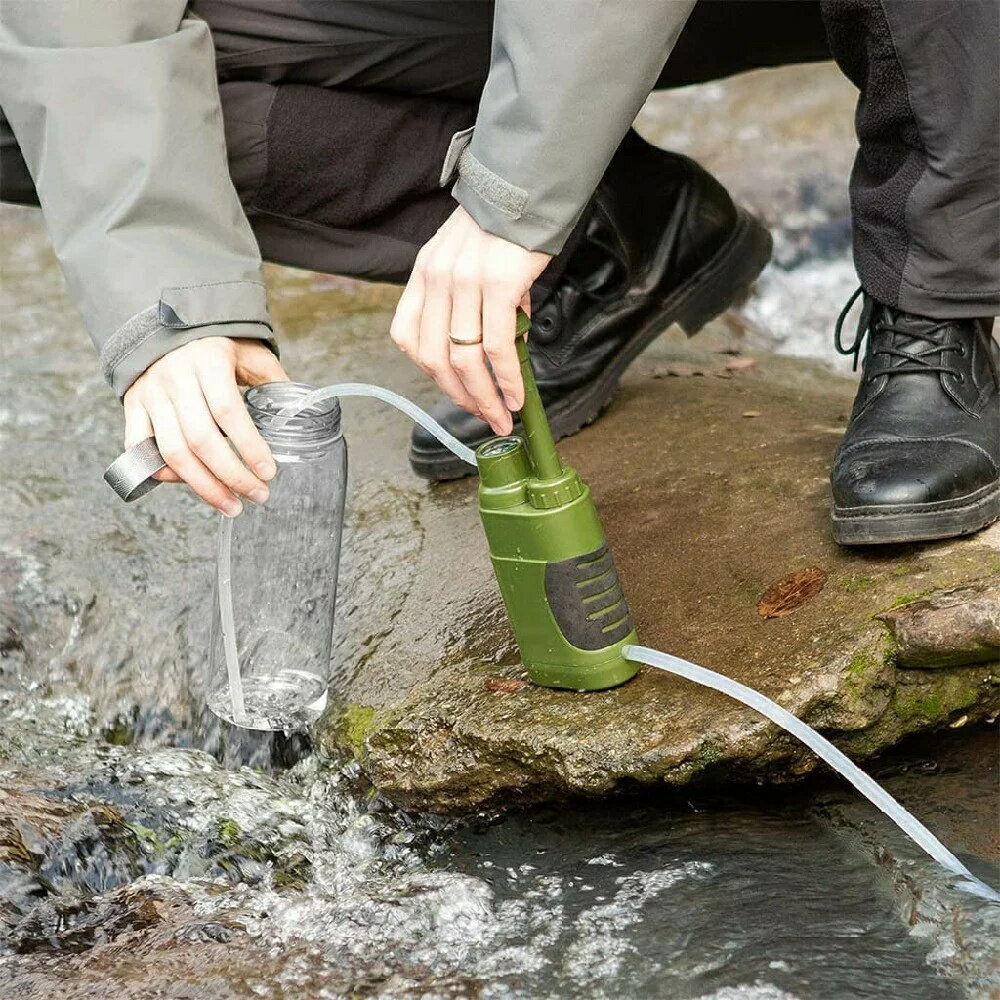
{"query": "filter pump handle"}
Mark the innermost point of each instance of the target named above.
(537, 433)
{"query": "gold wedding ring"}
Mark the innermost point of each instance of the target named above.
(465, 341)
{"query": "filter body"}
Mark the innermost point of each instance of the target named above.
(555, 572)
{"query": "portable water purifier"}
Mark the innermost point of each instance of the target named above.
(556, 574)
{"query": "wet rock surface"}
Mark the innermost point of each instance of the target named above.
(704, 509)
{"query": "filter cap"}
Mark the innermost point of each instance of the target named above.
(546, 494)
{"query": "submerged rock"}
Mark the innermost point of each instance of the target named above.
(706, 512)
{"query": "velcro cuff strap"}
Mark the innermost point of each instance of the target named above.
(457, 146)
(505, 197)
(220, 302)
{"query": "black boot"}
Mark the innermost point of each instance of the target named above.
(661, 243)
(921, 456)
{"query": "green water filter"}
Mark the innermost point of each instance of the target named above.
(551, 559)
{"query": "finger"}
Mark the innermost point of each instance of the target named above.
(256, 364)
(468, 360)
(230, 413)
(176, 453)
(405, 327)
(433, 350)
(499, 326)
(435, 360)
(137, 428)
(207, 443)
(469, 363)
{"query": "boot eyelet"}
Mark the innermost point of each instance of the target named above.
(546, 323)
(961, 350)
(959, 377)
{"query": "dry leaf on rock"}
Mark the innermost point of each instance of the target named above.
(790, 592)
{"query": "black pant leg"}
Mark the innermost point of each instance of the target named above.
(341, 181)
(16, 185)
(338, 116)
(925, 189)
(430, 48)
(723, 37)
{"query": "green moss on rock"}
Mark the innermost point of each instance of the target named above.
(910, 598)
(956, 692)
(859, 664)
(354, 725)
(229, 833)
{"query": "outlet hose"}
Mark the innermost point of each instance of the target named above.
(770, 709)
(404, 405)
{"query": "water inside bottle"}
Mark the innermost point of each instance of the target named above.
(288, 700)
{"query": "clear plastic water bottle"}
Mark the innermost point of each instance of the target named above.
(283, 571)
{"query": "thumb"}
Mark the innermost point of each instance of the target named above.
(257, 363)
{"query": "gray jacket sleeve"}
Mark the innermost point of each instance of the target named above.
(567, 78)
(116, 108)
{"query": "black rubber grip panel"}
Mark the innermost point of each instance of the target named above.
(587, 600)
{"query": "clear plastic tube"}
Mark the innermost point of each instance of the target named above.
(823, 748)
(227, 620)
(417, 415)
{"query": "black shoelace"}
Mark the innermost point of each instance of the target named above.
(913, 361)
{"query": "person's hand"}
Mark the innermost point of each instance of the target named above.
(188, 399)
(469, 283)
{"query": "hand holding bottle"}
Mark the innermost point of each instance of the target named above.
(190, 401)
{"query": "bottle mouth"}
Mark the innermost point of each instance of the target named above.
(316, 425)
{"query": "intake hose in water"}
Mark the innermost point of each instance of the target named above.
(824, 749)
(771, 710)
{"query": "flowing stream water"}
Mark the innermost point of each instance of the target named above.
(147, 851)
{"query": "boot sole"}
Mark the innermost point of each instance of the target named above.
(893, 524)
(706, 294)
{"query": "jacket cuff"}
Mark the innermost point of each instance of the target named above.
(223, 309)
(498, 206)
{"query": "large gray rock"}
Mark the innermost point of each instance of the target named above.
(705, 506)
